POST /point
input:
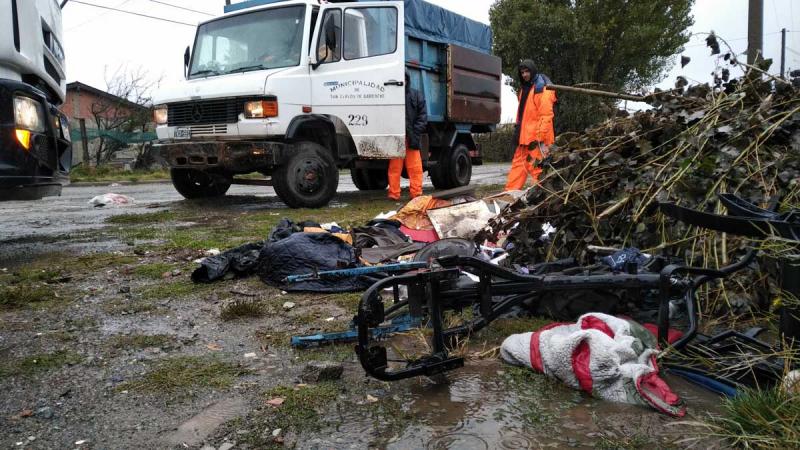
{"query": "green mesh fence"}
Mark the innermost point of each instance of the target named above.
(120, 136)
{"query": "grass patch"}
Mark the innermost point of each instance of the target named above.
(503, 328)
(97, 174)
(80, 324)
(32, 275)
(301, 407)
(274, 338)
(388, 414)
(119, 307)
(201, 238)
(241, 309)
(185, 373)
(348, 302)
(139, 341)
(96, 261)
(137, 219)
(336, 353)
(758, 419)
(539, 399)
(27, 286)
(153, 270)
(174, 289)
(19, 296)
(625, 443)
(43, 362)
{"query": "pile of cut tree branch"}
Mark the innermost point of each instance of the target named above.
(599, 188)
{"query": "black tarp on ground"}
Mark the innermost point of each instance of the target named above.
(303, 253)
(241, 261)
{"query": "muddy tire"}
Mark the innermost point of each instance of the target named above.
(370, 179)
(192, 183)
(309, 177)
(454, 168)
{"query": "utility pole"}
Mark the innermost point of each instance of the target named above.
(85, 142)
(755, 31)
(783, 53)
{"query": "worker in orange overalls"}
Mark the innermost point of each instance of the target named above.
(416, 124)
(533, 133)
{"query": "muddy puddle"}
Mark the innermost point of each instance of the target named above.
(488, 405)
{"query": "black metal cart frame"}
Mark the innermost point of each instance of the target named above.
(432, 292)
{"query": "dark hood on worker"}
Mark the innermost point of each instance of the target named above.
(527, 64)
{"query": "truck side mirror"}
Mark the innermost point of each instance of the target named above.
(186, 55)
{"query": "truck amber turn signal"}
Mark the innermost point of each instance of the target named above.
(24, 138)
(260, 109)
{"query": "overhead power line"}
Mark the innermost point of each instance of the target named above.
(134, 13)
(181, 7)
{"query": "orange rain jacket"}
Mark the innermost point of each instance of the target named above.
(537, 118)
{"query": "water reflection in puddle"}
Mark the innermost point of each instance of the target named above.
(490, 406)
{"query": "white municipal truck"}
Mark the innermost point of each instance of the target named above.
(298, 89)
(35, 148)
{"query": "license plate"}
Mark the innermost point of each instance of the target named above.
(183, 133)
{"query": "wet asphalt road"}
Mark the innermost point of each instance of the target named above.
(71, 213)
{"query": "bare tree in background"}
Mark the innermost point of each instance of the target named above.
(129, 111)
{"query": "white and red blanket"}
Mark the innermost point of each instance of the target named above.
(610, 358)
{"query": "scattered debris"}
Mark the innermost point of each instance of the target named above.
(110, 199)
(288, 305)
(318, 371)
(791, 383)
(602, 355)
(275, 402)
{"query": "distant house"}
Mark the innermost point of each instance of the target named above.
(101, 111)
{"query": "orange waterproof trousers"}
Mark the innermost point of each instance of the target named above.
(524, 164)
(413, 162)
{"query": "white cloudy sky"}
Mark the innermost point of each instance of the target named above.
(99, 41)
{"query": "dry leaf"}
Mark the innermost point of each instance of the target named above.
(275, 402)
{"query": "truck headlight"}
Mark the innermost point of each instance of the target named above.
(28, 114)
(160, 115)
(260, 109)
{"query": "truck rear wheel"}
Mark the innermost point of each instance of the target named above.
(192, 183)
(454, 168)
(370, 179)
(309, 177)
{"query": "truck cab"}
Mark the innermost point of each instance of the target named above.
(296, 90)
(35, 148)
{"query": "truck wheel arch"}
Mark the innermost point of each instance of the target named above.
(327, 131)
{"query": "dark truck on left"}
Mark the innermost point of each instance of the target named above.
(35, 145)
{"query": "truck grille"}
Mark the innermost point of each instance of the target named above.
(205, 112)
(209, 130)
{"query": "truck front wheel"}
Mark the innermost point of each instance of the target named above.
(309, 177)
(370, 179)
(192, 183)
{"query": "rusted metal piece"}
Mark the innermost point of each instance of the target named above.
(474, 82)
(235, 157)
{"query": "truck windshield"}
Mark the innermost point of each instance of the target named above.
(266, 39)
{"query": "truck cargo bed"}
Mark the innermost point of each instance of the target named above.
(460, 85)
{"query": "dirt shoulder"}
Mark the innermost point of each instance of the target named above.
(117, 348)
